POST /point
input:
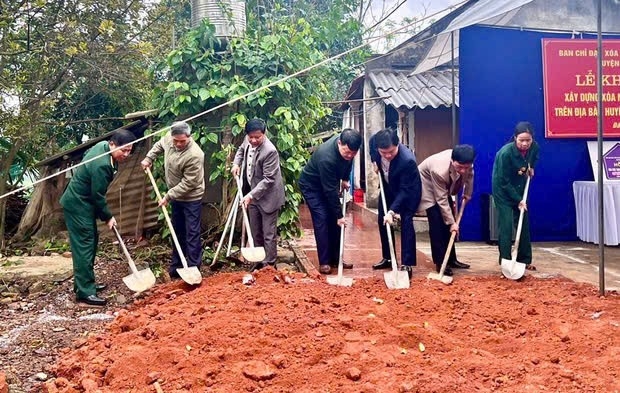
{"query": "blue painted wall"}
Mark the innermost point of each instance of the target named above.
(501, 84)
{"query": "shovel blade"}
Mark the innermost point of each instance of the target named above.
(253, 254)
(340, 280)
(190, 275)
(396, 279)
(512, 269)
(444, 279)
(140, 281)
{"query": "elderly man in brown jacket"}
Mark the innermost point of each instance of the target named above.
(184, 170)
(445, 174)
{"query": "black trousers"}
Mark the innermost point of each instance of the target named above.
(325, 224)
(439, 234)
(186, 223)
(407, 235)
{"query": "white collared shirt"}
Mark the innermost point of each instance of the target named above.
(385, 167)
(249, 163)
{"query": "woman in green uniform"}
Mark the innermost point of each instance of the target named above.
(83, 202)
(513, 163)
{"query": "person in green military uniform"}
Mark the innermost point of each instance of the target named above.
(83, 202)
(513, 163)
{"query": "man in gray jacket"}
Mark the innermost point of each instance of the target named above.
(184, 169)
(258, 162)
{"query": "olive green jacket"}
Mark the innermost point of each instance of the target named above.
(86, 191)
(184, 169)
(509, 173)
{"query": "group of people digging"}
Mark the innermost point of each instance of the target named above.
(409, 189)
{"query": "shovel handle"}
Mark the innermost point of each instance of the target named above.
(341, 251)
(228, 221)
(168, 221)
(246, 220)
(132, 265)
(444, 264)
(235, 209)
(389, 227)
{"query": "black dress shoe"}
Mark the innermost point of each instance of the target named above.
(458, 265)
(383, 264)
(100, 287)
(325, 269)
(92, 300)
(257, 266)
(408, 269)
(448, 272)
(345, 265)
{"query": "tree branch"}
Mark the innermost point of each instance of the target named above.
(67, 123)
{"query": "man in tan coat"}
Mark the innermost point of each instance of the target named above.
(445, 174)
(184, 169)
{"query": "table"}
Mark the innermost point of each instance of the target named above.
(586, 207)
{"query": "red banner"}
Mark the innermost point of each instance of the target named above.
(569, 78)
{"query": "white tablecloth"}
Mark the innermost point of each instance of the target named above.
(586, 206)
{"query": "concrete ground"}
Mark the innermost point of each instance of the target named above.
(53, 268)
(577, 261)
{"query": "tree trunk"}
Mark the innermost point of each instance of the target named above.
(43, 214)
(2, 216)
(5, 174)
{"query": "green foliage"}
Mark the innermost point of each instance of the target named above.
(16, 262)
(199, 75)
(72, 68)
(54, 245)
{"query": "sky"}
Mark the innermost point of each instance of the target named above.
(412, 8)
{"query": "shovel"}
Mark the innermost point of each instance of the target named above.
(138, 280)
(190, 275)
(251, 253)
(235, 259)
(231, 216)
(439, 276)
(395, 279)
(510, 267)
(340, 279)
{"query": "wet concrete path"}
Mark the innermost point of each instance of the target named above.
(575, 260)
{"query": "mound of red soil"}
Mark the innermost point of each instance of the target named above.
(479, 334)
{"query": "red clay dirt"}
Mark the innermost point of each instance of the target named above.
(480, 334)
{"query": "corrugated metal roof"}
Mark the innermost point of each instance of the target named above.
(431, 88)
(137, 127)
(130, 197)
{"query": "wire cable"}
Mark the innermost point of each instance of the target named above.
(227, 103)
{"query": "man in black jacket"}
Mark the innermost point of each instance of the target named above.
(403, 189)
(320, 184)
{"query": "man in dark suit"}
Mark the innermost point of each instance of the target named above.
(403, 189)
(323, 178)
(259, 163)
